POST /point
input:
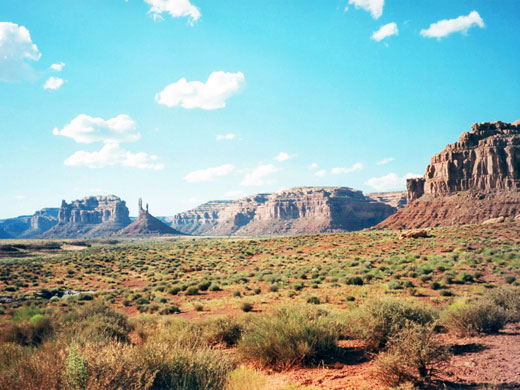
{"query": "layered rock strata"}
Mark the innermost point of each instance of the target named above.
(147, 225)
(30, 226)
(93, 216)
(302, 210)
(472, 180)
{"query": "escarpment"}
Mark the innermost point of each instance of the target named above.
(470, 181)
(301, 210)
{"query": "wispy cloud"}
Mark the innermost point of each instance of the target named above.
(227, 137)
(375, 7)
(385, 31)
(58, 67)
(340, 170)
(446, 27)
(176, 9)
(390, 182)
(313, 166)
(53, 83)
(209, 174)
(16, 48)
(258, 176)
(385, 161)
(234, 194)
(283, 156)
(210, 95)
(320, 173)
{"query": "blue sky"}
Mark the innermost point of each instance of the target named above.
(302, 93)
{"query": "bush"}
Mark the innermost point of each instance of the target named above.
(288, 337)
(507, 298)
(313, 300)
(377, 320)
(75, 376)
(470, 319)
(27, 332)
(245, 379)
(97, 322)
(193, 290)
(246, 307)
(411, 356)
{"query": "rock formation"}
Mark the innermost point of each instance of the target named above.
(396, 199)
(93, 216)
(30, 226)
(147, 225)
(302, 210)
(473, 180)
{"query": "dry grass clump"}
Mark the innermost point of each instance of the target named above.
(290, 336)
(411, 356)
(378, 320)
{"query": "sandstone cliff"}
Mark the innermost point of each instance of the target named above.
(30, 226)
(472, 180)
(146, 225)
(93, 216)
(302, 210)
(396, 199)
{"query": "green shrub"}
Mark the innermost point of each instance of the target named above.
(377, 320)
(507, 298)
(314, 300)
(472, 318)
(246, 307)
(75, 376)
(193, 290)
(411, 356)
(288, 337)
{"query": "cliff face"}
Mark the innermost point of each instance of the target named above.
(93, 216)
(146, 225)
(29, 226)
(470, 181)
(304, 210)
(396, 199)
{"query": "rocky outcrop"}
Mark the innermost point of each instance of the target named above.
(93, 216)
(472, 180)
(147, 225)
(396, 199)
(302, 210)
(30, 226)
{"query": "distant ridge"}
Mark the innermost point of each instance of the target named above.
(147, 225)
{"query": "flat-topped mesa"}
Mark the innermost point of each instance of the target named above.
(94, 210)
(470, 181)
(301, 210)
(485, 159)
(93, 216)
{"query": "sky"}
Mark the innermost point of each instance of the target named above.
(185, 101)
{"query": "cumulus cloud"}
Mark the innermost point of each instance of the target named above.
(390, 182)
(320, 173)
(375, 7)
(282, 156)
(210, 95)
(449, 26)
(385, 31)
(340, 170)
(209, 174)
(226, 137)
(234, 194)
(58, 67)
(53, 83)
(176, 9)
(385, 161)
(258, 176)
(16, 47)
(86, 129)
(112, 154)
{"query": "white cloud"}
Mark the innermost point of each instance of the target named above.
(390, 182)
(375, 7)
(448, 26)
(339, 170)
(313, 166)
(112, 154)
(86, 129)
(53, 83)
(385, 31)
(385, 161)
(176, 8)
(257, 176)
(209, 174)
(210, 95)
(282, 156)
(16, 48)
(20, 197)
(58, 67)
(234, 194)
(320, 173)
(227, 137)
